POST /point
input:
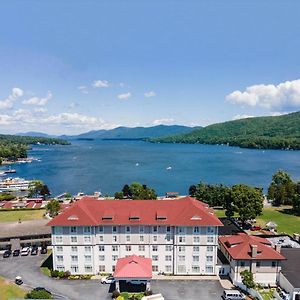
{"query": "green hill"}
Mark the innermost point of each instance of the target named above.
(278, 132)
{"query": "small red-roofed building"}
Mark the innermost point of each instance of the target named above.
(179, 235)
(253, 253)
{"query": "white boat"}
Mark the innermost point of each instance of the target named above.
(169, 168)
(14, 184)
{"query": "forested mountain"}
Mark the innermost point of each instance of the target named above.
(276, 132)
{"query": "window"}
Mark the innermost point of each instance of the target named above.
(113, 268)
(115, 257)
(88, 269)
(87, 229)
(155, 257)
(195, 258)
(74, 269)
(168, 258)
(274, 264)
(196, 230)
(141, 238)
(127, 238)
(209, 258)
(59, 248)
(74, 258)
(100, 228)
(181, 229)
(195, 269)
(127, 229)
(154, 229)
(74, 249)
(258, 264)
(142, 229)
(87, 239)
(73, 229)
(168, 248)
(181, 258)
(59, 258)
(155, 238)
(128, 247)
(101, 268)
(181, 269)
(196, 239)
(114, 248)
(73, 239)
(209, 269)
(196, 249)
(102, 257)
(209, 248)
(58, 230)
(181, 249)
(101, 239)
(168, 237)
(87, 258)
(155, 268)
(114, 229)
(60, 268)
(168, 229)
(210, 239)
(242, 263)
(168, 269)
(154, 248)
(58, 239)
(210, 230)
(115, 238)
(87, 249)
(101, 248)
(141, 248)
(181, 239)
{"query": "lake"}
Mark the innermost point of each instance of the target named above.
(105, 166)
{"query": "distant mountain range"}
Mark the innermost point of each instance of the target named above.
(275, 132)
(122, 133)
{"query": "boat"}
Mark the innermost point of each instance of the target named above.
(169, 168)
(10, 170)
(137, 164)
(14, 184)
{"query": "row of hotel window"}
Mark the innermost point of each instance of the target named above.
(88, 249)
(87, 239)
(168, 269)
(154, 229)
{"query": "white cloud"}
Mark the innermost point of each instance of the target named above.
(100, 84)
(40, 110)
(73, 105)
(38, 101)
(9, 101)
(124, 96)
(242, 116)
(150, 94)
(6, 120)
(165, 121)
(285, 95)
(83, 89)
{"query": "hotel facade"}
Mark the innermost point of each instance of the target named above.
(179, 235)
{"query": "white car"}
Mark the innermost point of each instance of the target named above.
(25, 251)
(233, 295)
(108, 280)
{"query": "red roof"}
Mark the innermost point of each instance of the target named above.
(133, 267)
(185, 211)
(239, 247)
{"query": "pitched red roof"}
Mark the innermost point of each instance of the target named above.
(133, 266)
(185, 211)
(239, 247)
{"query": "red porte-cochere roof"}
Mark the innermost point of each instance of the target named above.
(240, 246)
(89, 211)
(133, 266)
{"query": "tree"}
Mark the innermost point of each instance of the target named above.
(192, 190)
(136, 191)
(281, 189)
(53, 208)
(126, 191)
(247, 279)
(247, 201)
(296, 199)
(119, 195)
(40, 294)
(38, 188)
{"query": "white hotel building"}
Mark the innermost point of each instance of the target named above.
(180, 235)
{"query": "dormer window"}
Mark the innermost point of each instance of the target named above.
(108, 216)
(134, 216)
(72, 218)
(161, 215)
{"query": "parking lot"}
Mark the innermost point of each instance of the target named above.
(29, 268)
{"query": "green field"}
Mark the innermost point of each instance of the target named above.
(286, 222)
(10, 290)
(24, 215)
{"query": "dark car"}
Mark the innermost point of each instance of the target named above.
(7, 253)
(16, 252)
(44, 250)
(39, 288)
(34, 251)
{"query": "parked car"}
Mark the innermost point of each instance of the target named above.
(34, 251)
(233, 295)
(7, 253)
(107, 280)
(18, 280)
(16, 252)
(44, 250)
(25, 251)
(39, 288)
(255, 228)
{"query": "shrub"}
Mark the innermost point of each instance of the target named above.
(148, 293)
(115, 294)
(54, 273)
(38, 295)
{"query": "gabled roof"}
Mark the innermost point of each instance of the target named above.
(133, 266)
(185, 211)
(239, 247)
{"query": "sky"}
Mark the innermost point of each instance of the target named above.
(67, 67)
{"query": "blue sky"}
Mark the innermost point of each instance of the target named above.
(73, 66)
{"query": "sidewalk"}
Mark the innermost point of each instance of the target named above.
(185, 277)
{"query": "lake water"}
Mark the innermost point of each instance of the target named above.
(106, 166)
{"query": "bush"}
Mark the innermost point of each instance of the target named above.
(115, 294)
(148, 293)
(38, 295)
(54, 273)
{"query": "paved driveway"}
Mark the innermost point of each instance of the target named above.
(28, 268)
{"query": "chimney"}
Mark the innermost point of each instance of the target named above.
(253, 251)
(278, 248)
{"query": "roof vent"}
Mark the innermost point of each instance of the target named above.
(196, 217)
(73, 218)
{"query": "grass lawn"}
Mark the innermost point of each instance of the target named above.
(126, 296)
(286, 222)
(24, 215)
(266, 294)
(10, 290)
(46, 271)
